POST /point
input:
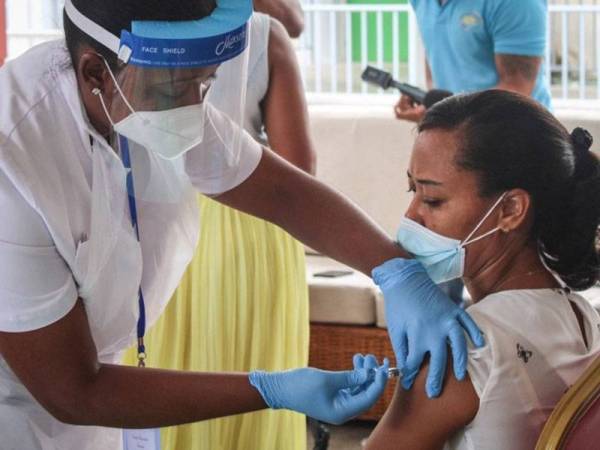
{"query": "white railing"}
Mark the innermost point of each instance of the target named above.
(573, 53)
(31, 22)
(341, 39)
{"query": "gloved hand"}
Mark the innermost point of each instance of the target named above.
(422, 319)
(370, 363)
(333, 397)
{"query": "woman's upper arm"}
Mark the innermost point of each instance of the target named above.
(289, 12)
(284, 106)
(55, 363)
(414, 421)
(44, 335)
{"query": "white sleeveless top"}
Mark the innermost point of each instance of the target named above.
(258, 78)
(534, 352)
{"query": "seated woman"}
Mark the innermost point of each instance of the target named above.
(507, 200)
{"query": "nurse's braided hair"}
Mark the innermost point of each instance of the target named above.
(117, 15)
(513, 142)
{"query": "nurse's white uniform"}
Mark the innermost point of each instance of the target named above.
(65, 233)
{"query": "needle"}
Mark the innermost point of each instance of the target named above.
(394, 372)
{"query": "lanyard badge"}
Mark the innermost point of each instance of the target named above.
(141, 439)
(141, 325)
(137, 439)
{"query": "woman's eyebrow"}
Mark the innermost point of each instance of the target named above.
(423, 181)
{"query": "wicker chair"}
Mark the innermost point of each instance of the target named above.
(575, 422)
(332, 347)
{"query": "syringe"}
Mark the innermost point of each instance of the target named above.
(393, 372)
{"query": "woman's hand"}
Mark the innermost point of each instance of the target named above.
(333, 397)
(422, 319)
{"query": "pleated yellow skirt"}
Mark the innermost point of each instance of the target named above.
(242, 305)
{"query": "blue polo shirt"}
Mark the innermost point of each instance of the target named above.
(462, 37)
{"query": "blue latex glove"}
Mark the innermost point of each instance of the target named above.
(422, 319)
(332, 397)
(370, 363)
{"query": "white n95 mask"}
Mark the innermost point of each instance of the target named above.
(169, 134)
(442, 257)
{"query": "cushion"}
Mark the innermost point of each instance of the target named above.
(347, 299)
(380, 310)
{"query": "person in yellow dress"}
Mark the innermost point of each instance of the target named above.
(243, 302)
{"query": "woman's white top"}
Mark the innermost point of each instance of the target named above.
(258, 77)
(534, 352)
(66, 234)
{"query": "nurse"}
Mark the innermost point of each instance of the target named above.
(104, 143)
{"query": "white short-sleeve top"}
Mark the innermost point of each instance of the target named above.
(66, 233)
(534, 352)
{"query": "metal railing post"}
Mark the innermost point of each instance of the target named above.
(413, 52)
(3, 36)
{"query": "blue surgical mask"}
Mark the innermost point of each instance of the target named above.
(442, 257)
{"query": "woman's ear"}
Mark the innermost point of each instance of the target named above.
(94, 80)
(92, 72)
(515, 210)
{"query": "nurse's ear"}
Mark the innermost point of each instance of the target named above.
(93, 77)
(93, 72)
(515, 211)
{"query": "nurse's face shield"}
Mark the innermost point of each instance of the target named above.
(158, 89)
(161, 104)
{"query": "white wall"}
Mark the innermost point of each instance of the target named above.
(364, 152)
(31, 16)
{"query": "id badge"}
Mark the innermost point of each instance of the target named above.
(141, 439)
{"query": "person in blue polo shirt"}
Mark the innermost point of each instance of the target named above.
(472, 45)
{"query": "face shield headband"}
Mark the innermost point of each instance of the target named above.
(183, 44)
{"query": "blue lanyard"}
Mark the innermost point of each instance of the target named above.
(141, 326)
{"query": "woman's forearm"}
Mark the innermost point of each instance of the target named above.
(129, 397)
(59, 366)
(313, 213)
(335, 226)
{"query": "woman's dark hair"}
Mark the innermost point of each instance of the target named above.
(511, 142)
(117, 15)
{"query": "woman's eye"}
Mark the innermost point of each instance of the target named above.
(165, 94)
(171, 92)
(432, 203)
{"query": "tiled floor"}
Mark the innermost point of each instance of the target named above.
(346, 437)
